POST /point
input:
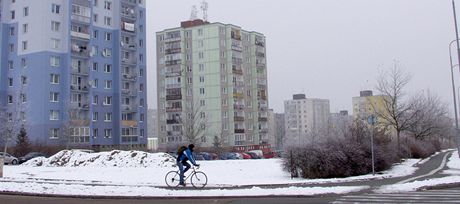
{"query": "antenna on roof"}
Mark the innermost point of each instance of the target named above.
(204, 8)
(193, 15)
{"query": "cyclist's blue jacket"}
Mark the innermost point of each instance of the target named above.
(187, 155)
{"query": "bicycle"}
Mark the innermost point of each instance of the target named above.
(198, 179)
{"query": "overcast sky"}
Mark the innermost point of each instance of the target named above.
(330, 49)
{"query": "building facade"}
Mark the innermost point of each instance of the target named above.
(304, 117)
(152, 124)
(212, 86)
(79, 66)
(367, 104)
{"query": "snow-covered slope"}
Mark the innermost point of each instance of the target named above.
(115, 158)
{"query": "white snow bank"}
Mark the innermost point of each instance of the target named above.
(115, 158)
(62, 189)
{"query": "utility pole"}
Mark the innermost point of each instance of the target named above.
(458, 56)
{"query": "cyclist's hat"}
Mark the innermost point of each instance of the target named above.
(191, 146)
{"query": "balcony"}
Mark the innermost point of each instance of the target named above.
(236, 36)
(128, 27)
(238, 118)
(129, 77)
(79, 88)
(237, 71)
(173, 39)
(82, 35)
(80, 18)
(173, 109)
(260, 54)
(174, 97)
(128, 61)
(238, 95)
(238, 107)
(127, 46)
(237, 61)
(237, 48)
(263, 119)
(260, 43)
(172, 62)
(239, 130)
(173, 86)
(173, 50)
(172, 121)
(129, 123)
(79, 71)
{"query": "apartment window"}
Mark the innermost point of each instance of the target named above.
(200, 32)
(141, 28)
(25, 11)
(54, 115)
(224, 102)
(95, 18)
(108, 36)
(201, 79)
(141, 118)
(141, 133)
(25, 28)
(24, 45)
(141, 102)
(108, 117)
(54, 97)
(141, 43)
(95, 66)
(141, 87)
(10, 99)
(107, 21)
(95, 34)
(11, 31)
(23, 62)
(55, 8)
(200, 55)
(55, 43)
(202, 91)
(141, 57)
(54, 78)
(141, 72)
(95, 99)
(95, 83)
(12, 15)
(108, 84)
(108, 100)
(107, 52)
(53, 133)
(95, 116)
(10, 82)
(55, 26)
(10, 65)
(202, 103)
(55, 61)
(23, 80)
(23, 98)
(107, 68)
(107, 5)
(11, 46)
(107, 133)
(95, 133)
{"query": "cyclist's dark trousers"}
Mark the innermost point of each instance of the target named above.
(182, 170)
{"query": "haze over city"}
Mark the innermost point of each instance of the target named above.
(329, 49)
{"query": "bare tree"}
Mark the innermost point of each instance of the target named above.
(428, 110)
(395, 113)
(194, 124)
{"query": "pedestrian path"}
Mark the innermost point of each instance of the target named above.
(430, 196)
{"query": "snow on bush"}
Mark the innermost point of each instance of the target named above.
(115, 158)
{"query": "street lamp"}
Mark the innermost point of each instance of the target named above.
(458, 56)
(453, 92)
(372, 120)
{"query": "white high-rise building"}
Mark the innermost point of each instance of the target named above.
(304, 117)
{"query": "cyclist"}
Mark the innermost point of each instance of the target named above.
(182, 161)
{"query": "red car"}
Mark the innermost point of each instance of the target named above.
(246, 156)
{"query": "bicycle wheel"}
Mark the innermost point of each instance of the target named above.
(172, 179)
(199, 179)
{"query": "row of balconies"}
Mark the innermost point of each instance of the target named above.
(237, 71)
(174, 97)
(79, 88)
(172, 62)
(173, 50)
(173, 109)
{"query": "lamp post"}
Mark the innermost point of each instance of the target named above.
(458, 56)
(372, 120)
(453, 84)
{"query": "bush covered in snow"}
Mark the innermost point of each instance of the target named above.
(115, 158)
(337, 158)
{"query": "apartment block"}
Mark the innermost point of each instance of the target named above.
(212, 86)
(304, 117)
(367, 104)
(78, 67)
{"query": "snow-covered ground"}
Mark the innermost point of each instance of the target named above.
(453, 176)
(142, 174)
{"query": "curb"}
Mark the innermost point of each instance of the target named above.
(440, 186)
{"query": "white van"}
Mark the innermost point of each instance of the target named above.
(258, 152)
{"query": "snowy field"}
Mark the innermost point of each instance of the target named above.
(142, 174)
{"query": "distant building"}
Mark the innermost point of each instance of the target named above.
(152, 144)
(366, 104)
(212, 77)
(280, 131)
(152, 123)
(271, 129)
(340, 122)
(304, 116)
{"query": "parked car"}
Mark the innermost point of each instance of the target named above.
(259, 153)
(253, 155)
(198, 156)
(31, 155)
(228, 155)
(268, 155)
(8, 159)
(214, 156)
(246, 156)
(238, 155)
